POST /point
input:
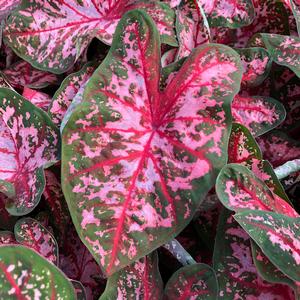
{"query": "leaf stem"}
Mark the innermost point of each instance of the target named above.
(287, 168)
(179, 252)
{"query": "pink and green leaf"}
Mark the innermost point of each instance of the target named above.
(22, 74)
(239, 189)
(56, 33)
(29, 141)
(34, 235)
(137, 161)
(259, 114)
(6, 7)
(69, 88)
(139, 281)
(197, 281)
(24, 274)
(256, 63)
(39, 99)
(283, 49)
(278, 236)
(227, 13)
(237, 275)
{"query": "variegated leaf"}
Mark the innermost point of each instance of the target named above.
(239, 189)
(259, 114)
(57, 32)
(278, 148)
(228, 13)
(4, 82)
(32, 234)
(283, 49)
(137, 161)
(197, 281)
(7, 237)
(6, 7)
(24, 274)
(256, 63)
(28, 142)
(139, 281)
(278, 236)
(22, 74)
(242, 146)
(295, 6)
(67, 91)
(39, 99)
(236, 273)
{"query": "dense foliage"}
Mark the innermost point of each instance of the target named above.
(150, 149)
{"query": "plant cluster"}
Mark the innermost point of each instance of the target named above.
(149, 149)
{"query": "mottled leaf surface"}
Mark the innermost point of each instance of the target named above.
(22, 74)
(256, 64)
(33, 234)
(7, 237)
(28, 142)
(39, 99)
(24, 274)
(196, 281)
(236, 273)
(259, 114)
(278, 237)
(232, 14)
(57, 32)
(6, 6)
(239, 189)
(67, 91)
(283, 49)
(139, 281)
(136, 160)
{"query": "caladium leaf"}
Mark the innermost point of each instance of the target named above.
(6, 6)
(7, 237)
(144, 159)
(242, 146)
(24, 274)
(197, 281)
(78, 264)
(191, 27)
(278, 148)
(32, 234)
(239, 189)
(63, 29)
(278, 237)
(295, 6)
(266, 269)
(227, 13)
(169, 57)
(256, 63)
(22, 74)
(79, 290)
(139, 281)
(67, 91)
(283, 49)
(259, 114)
(29, 141)
(236, 273)
(39, 99)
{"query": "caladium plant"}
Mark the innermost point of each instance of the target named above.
(149, 149)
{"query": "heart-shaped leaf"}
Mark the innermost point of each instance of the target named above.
(57, 32)
(278, 236)
(32, 234)
(259, 114)
(39, 99)
(257, 64)
(284, 49)
(236, 273)
(67, 91)
(228, 13)
(29, 141)
(197, 281)
(137, 161)
(239, 189)
(139, 281)
(24, 274)
(22, 74)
